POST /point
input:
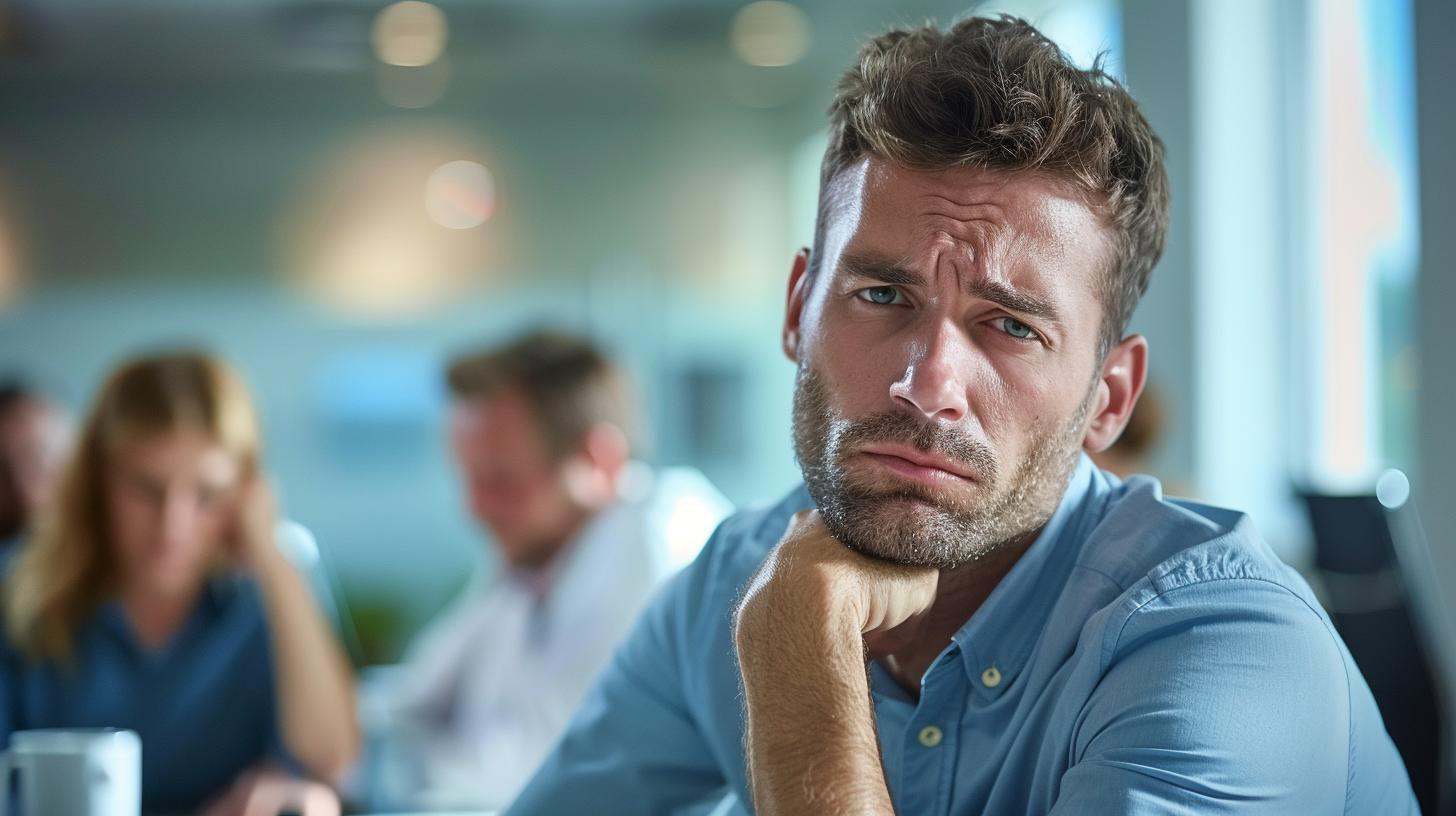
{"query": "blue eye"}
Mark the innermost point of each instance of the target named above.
(1016, 328)
(880, 295)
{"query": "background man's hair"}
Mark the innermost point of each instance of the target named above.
(995, 93)
(568, 382)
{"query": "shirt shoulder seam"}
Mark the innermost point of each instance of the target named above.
(1111, 648)
(1329, 633)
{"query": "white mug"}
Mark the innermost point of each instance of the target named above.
(74, 772)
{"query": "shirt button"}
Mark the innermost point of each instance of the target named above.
(991, 677)
(930, 736)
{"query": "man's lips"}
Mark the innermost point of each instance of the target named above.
(916, 464)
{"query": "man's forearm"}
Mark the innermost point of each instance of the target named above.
(811, 745)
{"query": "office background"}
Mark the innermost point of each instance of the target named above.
(336, 195)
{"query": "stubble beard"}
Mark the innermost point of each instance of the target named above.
(908, 524)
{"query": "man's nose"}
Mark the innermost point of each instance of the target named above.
(934, 380)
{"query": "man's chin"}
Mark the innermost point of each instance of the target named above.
(894, 495)
(900, 528)
(901, 509)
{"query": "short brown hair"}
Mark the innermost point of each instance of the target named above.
(993, 92)
(568, 381)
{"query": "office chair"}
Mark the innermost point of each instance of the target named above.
(1381, 593)
(301, 549)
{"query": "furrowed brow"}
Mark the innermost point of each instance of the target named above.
(1016, 301)
(876, 269)
(893, 274)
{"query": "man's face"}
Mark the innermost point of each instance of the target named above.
(947, 352)
(514, 485)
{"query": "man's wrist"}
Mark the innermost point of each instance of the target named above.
(819, 614)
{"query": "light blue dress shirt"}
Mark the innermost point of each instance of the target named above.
(1144, 656)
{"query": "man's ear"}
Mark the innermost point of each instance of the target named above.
(592, 472)
(1124, 373)
(606, 447)
(794, 310)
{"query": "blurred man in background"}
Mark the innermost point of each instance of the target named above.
(33, 437)
(1135, 451)
(542, 430)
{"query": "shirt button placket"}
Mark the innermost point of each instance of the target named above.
(931, 750)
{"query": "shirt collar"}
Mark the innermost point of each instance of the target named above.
(997, 641)
(602, 528)
(212, 602)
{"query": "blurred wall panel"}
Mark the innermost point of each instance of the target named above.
(1157, 55)
(1435, 21)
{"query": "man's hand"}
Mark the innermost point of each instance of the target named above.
(811, 579)
(801, 631)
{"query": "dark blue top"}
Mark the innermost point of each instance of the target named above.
(203, 704)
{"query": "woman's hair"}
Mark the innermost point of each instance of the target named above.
(67, 568)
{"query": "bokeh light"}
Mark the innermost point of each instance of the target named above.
(379, 232)
(1392, 489)
(770, 33)
(460, 194)
(410, 34)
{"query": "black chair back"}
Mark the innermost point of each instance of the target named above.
(1368, 593)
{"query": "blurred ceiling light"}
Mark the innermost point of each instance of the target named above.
(414, 87)
(410, 34)
(460, 194)
(358, 240)
(770, 33)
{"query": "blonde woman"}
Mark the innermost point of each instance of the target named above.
(153, 597)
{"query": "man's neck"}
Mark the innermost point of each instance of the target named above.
(539, 575)
(961, 592)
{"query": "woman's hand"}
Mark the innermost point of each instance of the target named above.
(317, 714)
(252, 544)
(269, 792)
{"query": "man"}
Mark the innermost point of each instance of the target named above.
(959, 613)
(33, 437)
(540, 430)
